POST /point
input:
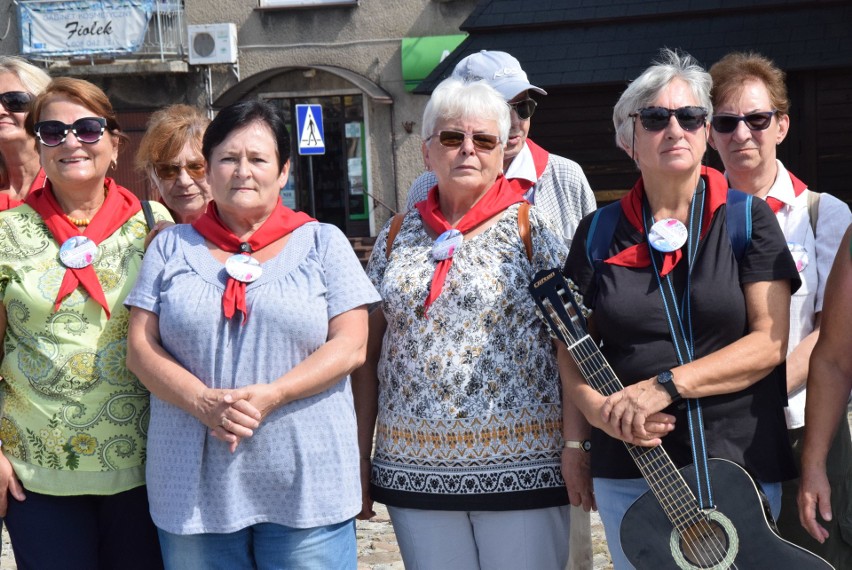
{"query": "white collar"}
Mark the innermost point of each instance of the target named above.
(522, 166)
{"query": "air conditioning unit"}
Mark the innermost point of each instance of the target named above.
(212, 43)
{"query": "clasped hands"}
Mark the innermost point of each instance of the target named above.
(233, 415)
(634, 414)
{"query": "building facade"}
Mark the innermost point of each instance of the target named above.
(345, 55)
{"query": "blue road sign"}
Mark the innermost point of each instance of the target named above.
(309, 129)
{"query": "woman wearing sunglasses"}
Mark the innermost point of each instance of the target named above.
(461, 381)
(749, 122)
(20, 169)
(717, 335)
(74, 418)
(170, 156)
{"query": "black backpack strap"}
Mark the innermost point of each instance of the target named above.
(149, 214)
(738, 208)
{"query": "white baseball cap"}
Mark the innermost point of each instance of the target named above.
(497, 68)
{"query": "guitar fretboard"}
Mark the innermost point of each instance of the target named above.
(666, 482)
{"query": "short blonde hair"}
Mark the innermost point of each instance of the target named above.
(169, 130)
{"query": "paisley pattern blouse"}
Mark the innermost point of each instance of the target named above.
(74, 418)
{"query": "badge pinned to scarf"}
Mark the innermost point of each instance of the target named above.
(668, 235)
(446, 244)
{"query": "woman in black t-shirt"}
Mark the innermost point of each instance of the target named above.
(733, 312)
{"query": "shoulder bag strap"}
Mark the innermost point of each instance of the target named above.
(396, 223)
(524, 228)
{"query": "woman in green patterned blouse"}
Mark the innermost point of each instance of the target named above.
(74, 419)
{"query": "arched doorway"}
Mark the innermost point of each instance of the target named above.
(338, 192)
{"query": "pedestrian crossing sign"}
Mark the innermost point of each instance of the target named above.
(309, 129)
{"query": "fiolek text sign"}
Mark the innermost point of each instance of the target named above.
(82, 27)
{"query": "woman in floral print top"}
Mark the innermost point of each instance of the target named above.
(461, 383)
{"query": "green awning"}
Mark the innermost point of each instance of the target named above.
(421, 55)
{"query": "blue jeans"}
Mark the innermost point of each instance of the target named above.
(614, 497)
(265, 546)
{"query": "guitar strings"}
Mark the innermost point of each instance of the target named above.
(592, 364)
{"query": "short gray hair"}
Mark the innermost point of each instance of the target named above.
(646, 88)
(455, 99)
(34, 79)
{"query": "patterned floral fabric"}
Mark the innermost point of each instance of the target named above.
(469, 399)
(74, 418)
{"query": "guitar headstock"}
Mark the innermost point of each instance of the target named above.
(560, 305)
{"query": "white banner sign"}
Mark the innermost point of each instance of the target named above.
(83, 27)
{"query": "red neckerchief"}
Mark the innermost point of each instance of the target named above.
(499, 197)
(280, 222)
(639, 255)
(540, 158)
(7, 202)
(118, 207)
(798, 188)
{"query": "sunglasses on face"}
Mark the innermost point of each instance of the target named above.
(658, 118)
(88, 130)
(454, 139)
(754, 121)
(168, 171)
(524, 109)
(16, 101)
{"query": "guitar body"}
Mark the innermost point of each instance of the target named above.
(741, 534)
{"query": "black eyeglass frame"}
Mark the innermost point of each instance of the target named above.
(70, 128)
(747, 119)
(528, 105)
(681, 114)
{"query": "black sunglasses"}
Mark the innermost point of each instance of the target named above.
(88, 130)
(657, 118)
(454, 139)
(754, 121)
(16, 101)
(524, 109)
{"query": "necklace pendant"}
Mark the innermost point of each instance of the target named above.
(78, 252)
(667, 235)
(243, 268)
(446, 244)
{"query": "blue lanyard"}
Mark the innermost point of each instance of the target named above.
(679, 319)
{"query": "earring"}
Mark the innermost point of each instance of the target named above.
(113, 164)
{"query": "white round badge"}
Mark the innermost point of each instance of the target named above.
(78, 252)
(446, 244)
(800, 255)
(243, 268)
(668, 235)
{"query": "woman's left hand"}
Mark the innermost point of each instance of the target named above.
(628, 410)
(577, 472)
(249, 406)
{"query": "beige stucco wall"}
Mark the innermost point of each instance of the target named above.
(365, 39)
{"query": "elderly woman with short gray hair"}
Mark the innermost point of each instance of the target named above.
(461, 381)
(716, 341)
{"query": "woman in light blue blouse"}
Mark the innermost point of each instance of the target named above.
(245, 326)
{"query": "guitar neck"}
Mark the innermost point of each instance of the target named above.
(668, 485)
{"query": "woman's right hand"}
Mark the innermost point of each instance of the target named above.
(9, 485)
(657, 426)
(220, 410)
(367, 511)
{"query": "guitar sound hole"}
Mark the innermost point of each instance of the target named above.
(705, 544)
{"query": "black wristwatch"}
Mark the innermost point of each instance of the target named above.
(666, 380)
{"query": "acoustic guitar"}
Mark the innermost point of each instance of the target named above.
(666, 527)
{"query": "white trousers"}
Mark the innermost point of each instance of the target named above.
(535, 539)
